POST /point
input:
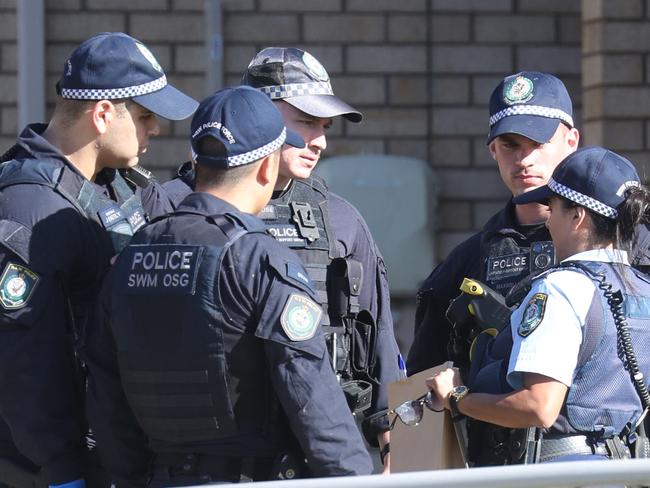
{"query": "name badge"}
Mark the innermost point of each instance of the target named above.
(136, 219)
(111, 215)
(504, 271)
(287, 234)
(155, 270)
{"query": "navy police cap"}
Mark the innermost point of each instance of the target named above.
(592, 177)
(113, 65)
(298, 78)
(531, 104)
(245, 121)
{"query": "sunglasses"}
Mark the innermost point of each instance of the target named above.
(411, 412)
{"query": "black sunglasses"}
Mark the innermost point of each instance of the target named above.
(411, 412)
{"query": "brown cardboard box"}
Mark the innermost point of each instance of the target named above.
(432, 444)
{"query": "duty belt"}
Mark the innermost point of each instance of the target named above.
(552, 448)
(217, 467)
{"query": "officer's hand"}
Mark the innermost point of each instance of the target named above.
(443, 382)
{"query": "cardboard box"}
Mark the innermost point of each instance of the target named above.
(432, 444)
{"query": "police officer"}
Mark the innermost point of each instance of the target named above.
(329, 235)
(211, 355)
(66, 210)
(531, 131)
(577, 365)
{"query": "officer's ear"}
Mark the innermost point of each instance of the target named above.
(579, 216)
(572, 138)
(491, 147)
(267, 173)
(102, 115)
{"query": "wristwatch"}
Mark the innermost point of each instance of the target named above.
(457, 394)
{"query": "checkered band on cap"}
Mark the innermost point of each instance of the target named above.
(551, 113)
(582, 199)
(255, 154)
(114, 93)
(258, 153)
(276, 92)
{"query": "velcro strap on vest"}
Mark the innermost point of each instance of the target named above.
(16, 238)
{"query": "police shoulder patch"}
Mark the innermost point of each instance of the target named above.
(300, 317)
(16, 286)
(533, 314)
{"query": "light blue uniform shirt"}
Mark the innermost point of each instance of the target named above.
(551, 348)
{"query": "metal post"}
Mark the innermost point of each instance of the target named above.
(31, 62)
(213, 46)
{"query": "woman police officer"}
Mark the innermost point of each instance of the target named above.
(572, 372)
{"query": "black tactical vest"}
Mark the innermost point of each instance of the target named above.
(508, 258)
(119, 221)
(184, 366)
(300, 219)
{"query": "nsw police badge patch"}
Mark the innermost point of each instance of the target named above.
(519, 90)
(533, 314)
(300, 317)
(16, 286)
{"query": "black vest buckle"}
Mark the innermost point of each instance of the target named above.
(303, 216)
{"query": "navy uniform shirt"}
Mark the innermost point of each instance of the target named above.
(470, 259)
(52, 259)
(354, 241)
(256, 279)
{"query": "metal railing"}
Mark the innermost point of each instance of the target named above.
(568, 474)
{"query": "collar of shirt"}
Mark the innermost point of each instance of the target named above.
(505, 222)
(284, 195)
(602, 256)
(206, 204)
(32, 141)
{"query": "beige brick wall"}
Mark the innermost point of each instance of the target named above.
(473, 45)
(420, 70)
(616, 85)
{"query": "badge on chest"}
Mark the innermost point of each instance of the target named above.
(504, 271)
